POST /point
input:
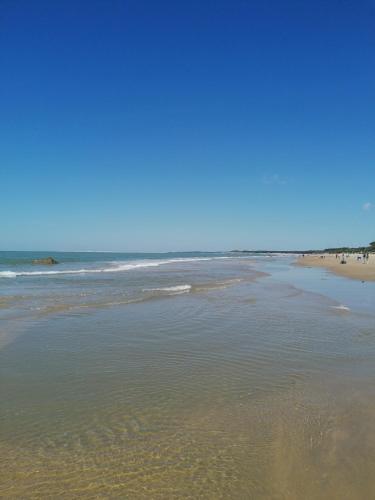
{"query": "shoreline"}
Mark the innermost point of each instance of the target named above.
(353, 269)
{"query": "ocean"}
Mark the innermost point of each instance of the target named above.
(184, 375)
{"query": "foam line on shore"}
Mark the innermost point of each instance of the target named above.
(175, 289)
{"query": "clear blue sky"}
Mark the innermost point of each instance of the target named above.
(173, 125)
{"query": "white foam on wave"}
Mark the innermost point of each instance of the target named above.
(11, 274)
(341, 307)
(116, 267)
(7, 274)
(176, 288)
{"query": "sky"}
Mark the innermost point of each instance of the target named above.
(171, 125)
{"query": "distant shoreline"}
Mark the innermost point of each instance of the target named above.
(275, 252)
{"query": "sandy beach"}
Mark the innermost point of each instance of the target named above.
(355, 269)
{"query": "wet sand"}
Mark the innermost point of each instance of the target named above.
(352, 269)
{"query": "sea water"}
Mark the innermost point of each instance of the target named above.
(200, 375)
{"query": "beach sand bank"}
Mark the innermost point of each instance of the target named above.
(355, 269)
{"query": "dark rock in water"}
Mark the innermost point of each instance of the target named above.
(48, 261)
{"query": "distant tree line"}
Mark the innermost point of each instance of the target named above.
(369, 248)
(365, 249)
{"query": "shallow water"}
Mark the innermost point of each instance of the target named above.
(222, 378)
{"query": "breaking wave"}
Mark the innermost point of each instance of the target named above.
(116, 267)
(173, 289)
(341, 307)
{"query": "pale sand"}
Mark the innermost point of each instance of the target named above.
(352, 269)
